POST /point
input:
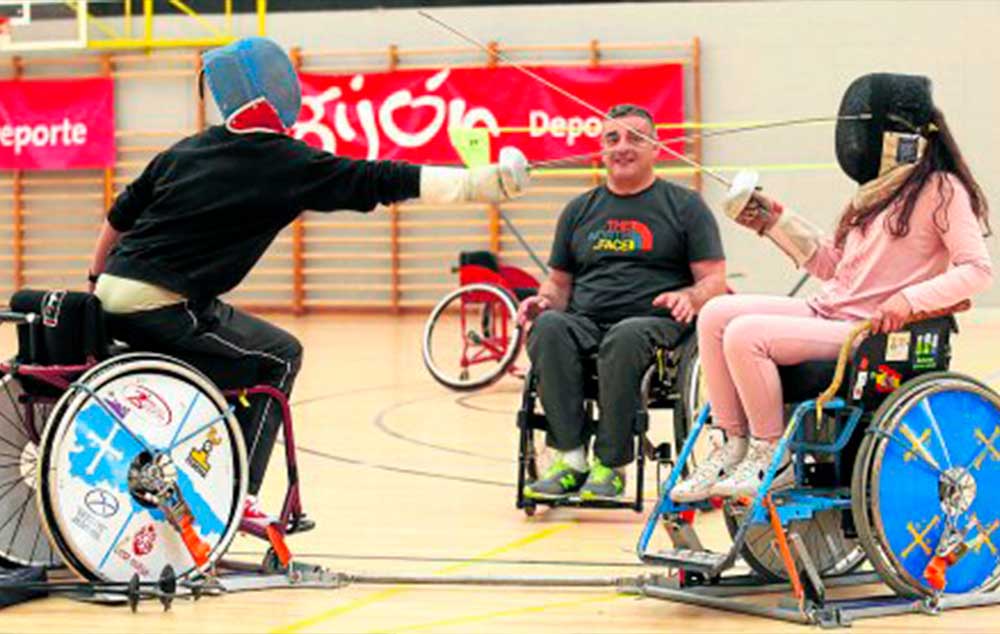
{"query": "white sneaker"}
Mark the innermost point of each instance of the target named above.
(726, 453)
(749, 474)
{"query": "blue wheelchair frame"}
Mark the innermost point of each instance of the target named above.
(700, 580)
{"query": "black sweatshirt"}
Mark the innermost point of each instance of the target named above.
(204, 211)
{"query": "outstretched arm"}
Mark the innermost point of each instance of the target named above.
(330, 182)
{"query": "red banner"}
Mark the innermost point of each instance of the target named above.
(57, 123)
(414, 114)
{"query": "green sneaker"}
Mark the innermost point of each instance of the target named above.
(558, 482)
(604, 483)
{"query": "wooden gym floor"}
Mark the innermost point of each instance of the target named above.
(404, 476)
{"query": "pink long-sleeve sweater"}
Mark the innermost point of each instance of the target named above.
(935, 265)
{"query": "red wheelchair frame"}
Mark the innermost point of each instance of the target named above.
(488, 291)
(292, 519)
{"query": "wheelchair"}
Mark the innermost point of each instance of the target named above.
(478, 321)
(900, 468)
(121, 463)
(672, 382)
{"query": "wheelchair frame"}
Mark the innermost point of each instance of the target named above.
(662, 387)
(292, 518)
(701, 577)
(482, 281)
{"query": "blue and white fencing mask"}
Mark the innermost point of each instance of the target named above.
(251, 69)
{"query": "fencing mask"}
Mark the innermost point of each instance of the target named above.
(252, 72)
(896, 114)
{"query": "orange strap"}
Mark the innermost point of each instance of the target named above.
(278, 544)
(786, 553)
(199, 549)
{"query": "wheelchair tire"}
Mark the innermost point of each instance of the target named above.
(831, 551)
(89, 492)
(954, 420)
(495, 346)
(23, 541)
(691, 396)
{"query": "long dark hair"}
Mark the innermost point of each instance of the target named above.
(942, 155)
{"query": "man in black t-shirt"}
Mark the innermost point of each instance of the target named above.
(632, 262)
(204, 211)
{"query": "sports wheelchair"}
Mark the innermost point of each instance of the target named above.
(672, 382)
(121, 463)
(899, 465)
(478, 320)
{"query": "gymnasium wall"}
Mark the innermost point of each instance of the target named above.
(760, 61)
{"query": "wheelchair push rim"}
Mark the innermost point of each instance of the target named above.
(23, 541)
(471, 337)
(114, 423)
(930, 460)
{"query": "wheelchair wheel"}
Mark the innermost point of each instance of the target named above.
(930, 459)
(131, 425)
(831, 551)
(823, 536)
(691, 396)
(690, 383)
(471, 337)
(22, 417)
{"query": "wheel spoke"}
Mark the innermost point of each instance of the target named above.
(925, 407)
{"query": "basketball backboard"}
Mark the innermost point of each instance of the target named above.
(38, 25)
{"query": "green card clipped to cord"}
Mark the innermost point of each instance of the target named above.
(472, 144)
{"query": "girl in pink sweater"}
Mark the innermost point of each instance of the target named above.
(911, 240)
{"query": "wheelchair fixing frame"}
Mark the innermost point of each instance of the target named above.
(701, 579)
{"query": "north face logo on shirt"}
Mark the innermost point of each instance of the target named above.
(622, 236)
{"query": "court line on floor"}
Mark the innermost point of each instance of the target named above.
(463, 401)
(451, 560)
(489, 616)
(382, 467)
(379, 422)
(374, 388)
(402, 470)
(388, 593)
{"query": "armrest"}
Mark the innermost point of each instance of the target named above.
(960, 307)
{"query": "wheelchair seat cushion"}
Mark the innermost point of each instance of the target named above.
(71, 329)
(805, 381)
(485, 259)
(524, 293)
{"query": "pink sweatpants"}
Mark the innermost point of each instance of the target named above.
(742, 339)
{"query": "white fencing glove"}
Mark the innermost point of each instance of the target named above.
(793, 234)
(494, 183)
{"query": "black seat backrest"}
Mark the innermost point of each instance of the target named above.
(70, 329)
(880, 364)
(485, 259)
(883, 362)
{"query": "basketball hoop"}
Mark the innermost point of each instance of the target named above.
(4, 32)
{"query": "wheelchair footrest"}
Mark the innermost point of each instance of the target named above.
(576, 501)
(300, 524)
(706, 561)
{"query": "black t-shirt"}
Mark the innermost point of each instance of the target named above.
(623, 251)
(205, 210)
